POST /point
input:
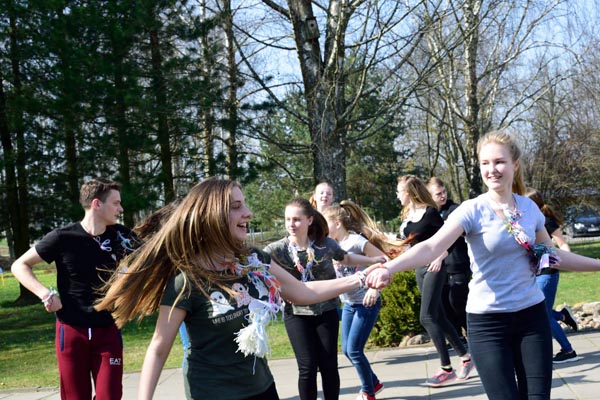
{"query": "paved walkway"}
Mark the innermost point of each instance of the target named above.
(402, 370)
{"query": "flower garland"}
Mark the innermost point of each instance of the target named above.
(542, 256)
(253, 338)
(305, 272)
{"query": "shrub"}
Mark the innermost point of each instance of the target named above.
(399, 315)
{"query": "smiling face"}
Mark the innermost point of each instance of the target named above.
(239, 215)
(297, 223)
(323, 195)
(110, 209)
(497, 166)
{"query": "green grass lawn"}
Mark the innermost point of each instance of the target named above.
(27, 356)
(578, 287)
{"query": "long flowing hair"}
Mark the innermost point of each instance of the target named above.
(355, 219)
(417, 191)
(152, 223)
(503, 138)
(194, 240)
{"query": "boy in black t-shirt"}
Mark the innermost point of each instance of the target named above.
(86, 253)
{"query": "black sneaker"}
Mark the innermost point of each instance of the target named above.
(565, 357)
(569, 318)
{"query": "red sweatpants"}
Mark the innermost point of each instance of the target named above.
(82, 352)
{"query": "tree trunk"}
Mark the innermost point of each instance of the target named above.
(71, 164)
(18, 195)
(231, 120)
(123, 140)
(323, 91)
(12, 197)
(160, 96)
(207, 119)
(471, 28)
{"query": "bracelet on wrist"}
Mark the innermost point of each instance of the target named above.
(52, 293)
(362, 279)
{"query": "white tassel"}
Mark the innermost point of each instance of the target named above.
(253, 338)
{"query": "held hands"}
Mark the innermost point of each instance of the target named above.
(378, 276)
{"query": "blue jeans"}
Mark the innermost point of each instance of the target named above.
(357, 323)
(505, 344)
(548, 283)
(185, 341)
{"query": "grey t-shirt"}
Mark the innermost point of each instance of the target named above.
(503, 280)
(325, 252)
(353, 244)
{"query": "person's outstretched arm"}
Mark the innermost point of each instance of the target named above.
(359, 259)
(575, 262)
(305, 293)
(568, 261)
(167, 326)
(419, 255)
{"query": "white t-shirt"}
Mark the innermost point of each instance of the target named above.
(503, 280)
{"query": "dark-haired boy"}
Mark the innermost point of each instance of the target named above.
(86, 254)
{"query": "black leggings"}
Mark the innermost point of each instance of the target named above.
(432, 315)
(454, 299)
(314, 340)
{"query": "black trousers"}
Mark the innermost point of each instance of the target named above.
(314, 340)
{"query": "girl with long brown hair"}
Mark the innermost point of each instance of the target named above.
(197, 268)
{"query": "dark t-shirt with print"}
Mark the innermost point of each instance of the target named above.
(83, 264)
(215, 367)
(325, 252)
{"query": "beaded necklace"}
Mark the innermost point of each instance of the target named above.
(305, 271)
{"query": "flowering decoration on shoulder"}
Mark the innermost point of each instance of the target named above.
(542, 256)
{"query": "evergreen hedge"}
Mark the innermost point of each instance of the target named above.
(399, 315)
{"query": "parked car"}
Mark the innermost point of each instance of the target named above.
(582, 221)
